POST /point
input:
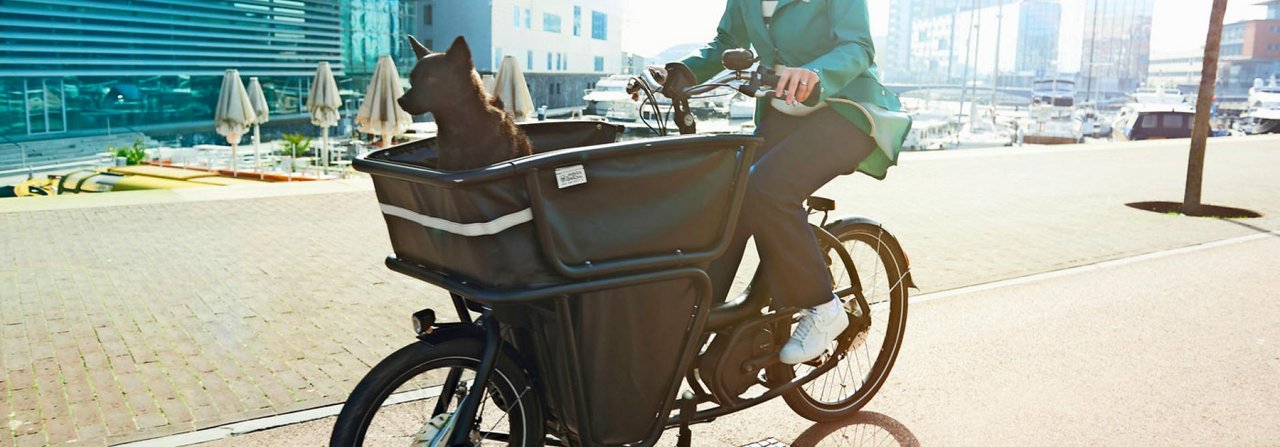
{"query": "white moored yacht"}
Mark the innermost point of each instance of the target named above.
(609, 99)
(1264, 106)
(1157, 95)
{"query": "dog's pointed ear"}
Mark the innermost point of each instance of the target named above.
(459, 51)
(418, 48)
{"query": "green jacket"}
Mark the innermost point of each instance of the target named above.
(830, 37)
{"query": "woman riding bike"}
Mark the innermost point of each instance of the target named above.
(822, 50)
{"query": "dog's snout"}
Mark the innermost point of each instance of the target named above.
(408, 104)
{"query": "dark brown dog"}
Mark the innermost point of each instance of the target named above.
(474, 129)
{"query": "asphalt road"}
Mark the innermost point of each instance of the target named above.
(1176, 349)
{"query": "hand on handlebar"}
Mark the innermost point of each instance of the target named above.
(678, 77)
(795, 84)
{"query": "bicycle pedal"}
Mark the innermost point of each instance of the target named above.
(819, 361)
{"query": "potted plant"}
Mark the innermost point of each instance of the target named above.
(294, 146)
(129, 155)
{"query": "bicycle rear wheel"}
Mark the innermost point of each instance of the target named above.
(874, 340)
(398, 402)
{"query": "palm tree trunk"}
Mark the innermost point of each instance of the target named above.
(1204, 104)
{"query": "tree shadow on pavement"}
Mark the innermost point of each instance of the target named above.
(863, 429)
(1254, 227)
(1220, 212)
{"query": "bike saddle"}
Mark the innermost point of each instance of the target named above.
(820, 203)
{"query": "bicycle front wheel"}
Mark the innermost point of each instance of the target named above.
(403, 401)
(874, 340)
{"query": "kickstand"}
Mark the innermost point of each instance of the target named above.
(688, 406)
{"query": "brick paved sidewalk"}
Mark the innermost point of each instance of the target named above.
(126, 322)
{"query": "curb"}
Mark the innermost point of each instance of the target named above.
(161, 196)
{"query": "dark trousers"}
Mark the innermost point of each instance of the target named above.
(799, 155)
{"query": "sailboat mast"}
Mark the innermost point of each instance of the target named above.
(995, 70)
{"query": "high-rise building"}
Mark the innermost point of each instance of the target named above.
(1039, 26)
(1018, 39)
(564, 46)
(1117, 46)
(156, 66)
(894, 55)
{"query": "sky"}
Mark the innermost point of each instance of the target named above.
(1179, 26)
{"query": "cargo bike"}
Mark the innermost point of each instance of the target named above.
(584, 312)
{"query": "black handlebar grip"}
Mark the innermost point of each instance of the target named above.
(770, 79)
(767, 77)
(814, 94)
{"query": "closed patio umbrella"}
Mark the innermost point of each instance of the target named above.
(379, 113)
(512, 89)
(323, 104)
(234, 113)
(259, 103)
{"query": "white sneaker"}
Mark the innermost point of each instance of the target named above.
(818, 326)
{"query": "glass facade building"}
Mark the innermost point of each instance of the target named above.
(1017, 39)
(70, 67)
(894, 55)
(1117, 45)
(372, 28)
(1038, 26)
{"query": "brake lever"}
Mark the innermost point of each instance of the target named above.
(656, 76)
(652, 78)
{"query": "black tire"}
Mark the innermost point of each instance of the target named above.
(509, 397)
(882, 267)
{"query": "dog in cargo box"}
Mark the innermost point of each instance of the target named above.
(474, 128)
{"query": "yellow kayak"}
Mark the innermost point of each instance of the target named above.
(143, 177)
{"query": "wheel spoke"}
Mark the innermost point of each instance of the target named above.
(868, 355)
(406, 409)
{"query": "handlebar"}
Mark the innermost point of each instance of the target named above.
(654, 80)
(760, 83)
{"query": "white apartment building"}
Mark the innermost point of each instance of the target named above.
(563, 45)
(1180, 71)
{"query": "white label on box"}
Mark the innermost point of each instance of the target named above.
(570, 175)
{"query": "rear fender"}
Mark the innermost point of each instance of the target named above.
(838, 225)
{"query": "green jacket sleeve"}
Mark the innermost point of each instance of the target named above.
(730, 34)
(853, 51)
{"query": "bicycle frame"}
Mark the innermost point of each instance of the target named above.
(730, 319)
(721, 317)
